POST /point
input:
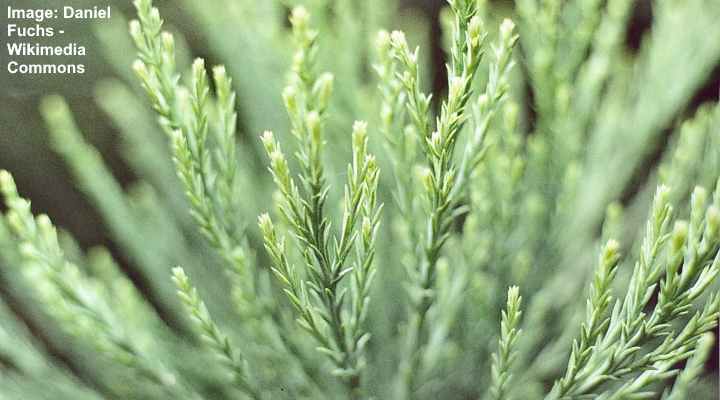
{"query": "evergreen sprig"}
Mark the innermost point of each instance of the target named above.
(502, 360)
(442, 178)
(597, 317)
(320, 299)
(209, 181)
(685, 258)
(73, 298)
(691, 374)
(231, 358)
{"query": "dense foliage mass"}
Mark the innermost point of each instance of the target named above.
(491, 242)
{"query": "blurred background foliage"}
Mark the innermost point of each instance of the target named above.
(44, 177)
(24, 149)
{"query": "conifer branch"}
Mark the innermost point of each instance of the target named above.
(503, 358)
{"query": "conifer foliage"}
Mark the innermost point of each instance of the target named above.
(312, 222)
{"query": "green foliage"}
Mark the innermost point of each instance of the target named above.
(405, 284)
(217, 342)
(503, 359)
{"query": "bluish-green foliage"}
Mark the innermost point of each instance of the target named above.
(311, 222)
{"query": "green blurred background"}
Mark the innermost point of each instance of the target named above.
(40, 174)
(43, 177)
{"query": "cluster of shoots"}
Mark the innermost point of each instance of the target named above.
(436, 275)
